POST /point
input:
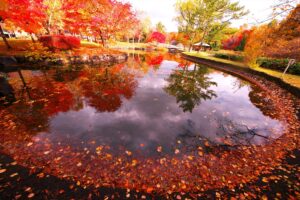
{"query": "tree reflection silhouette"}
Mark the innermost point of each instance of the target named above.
(105, 87)
(38, 99)
(262, 102)
(154, 60)
(67, 74)
(190, 87)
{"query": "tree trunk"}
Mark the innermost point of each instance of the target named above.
(139, 39)
(202, 39)
(49, 24)
(102, 39)
(192, 41)
(32, 39)
(4, 38)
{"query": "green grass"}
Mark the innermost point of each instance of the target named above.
(90, 44)
(288, 78)
(209, 56)
(293, 80)
(127, 45)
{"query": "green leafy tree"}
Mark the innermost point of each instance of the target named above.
(199, 17)
(160, 27)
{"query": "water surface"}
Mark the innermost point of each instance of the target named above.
(151, 102)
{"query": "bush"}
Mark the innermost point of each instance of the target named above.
(61, 42)
(229, 56)
(279, 65)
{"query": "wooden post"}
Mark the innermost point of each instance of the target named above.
(291, 62)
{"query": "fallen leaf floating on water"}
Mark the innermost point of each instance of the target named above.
(30, 195)
(14, 174)
(41, 175)
(13, 163)
(159, 149)
(29, 144)
(128, 153)
(134, 162)
(264, 179)
(200, 153)
(149, 190)
(190, 157)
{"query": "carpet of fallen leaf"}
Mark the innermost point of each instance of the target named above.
(181, 172)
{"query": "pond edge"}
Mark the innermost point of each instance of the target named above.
(240, 72)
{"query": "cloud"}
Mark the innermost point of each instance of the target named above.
(158, 10)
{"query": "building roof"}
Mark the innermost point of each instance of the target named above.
(202, 44)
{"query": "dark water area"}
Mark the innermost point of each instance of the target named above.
(150, 103)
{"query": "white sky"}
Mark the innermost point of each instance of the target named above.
(163, 10)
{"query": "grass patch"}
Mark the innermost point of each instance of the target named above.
(127, 45)
(210, 56)
(88, 44)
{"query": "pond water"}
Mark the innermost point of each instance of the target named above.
(152, 103)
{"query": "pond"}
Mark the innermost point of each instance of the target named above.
(153, 104)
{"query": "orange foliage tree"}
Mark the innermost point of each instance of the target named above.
(275, 40)
(256, 43)
(25, 14)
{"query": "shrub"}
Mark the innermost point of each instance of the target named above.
(157, 37)
(61, 42)
(229, 57)
(279, 65)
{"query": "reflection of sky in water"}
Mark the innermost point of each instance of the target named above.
(153, 118)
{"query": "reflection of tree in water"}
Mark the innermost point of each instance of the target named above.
(105, 87)
(30, 116)
(189, 140)
(238, 134)
(37, 100)
(54, 96)
(229, 135)
(154, 60)
(240, 83)
(190, 87)
(67, 74)
(260, 99)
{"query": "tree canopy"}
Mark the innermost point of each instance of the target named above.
(101, 19)
(199, 17)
